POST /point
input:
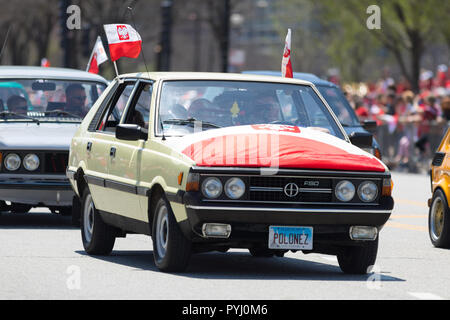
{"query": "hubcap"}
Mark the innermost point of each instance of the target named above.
(437, 219)
(162, 231)
(88, 218)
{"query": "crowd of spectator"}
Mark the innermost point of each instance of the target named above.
(410, 124)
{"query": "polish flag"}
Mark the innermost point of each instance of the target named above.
(286, 66)
(98, 57)
(123, 41)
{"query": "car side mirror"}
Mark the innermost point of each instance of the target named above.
(370, 125)
(361, 139)
(131, 132)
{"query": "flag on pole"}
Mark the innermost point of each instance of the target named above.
(286, 65)
(98, 57)
(123, 40)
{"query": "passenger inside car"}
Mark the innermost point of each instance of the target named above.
(17, 104)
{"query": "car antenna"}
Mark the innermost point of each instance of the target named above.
(4, 43)
(134, 26)
(145, 63)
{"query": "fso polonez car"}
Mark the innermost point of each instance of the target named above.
(40, 110)
(205, 161)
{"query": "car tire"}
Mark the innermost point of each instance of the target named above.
(259, 252)
(171, 249)
(439, 221)
(98, 237)
(358, 259)
(19, 208)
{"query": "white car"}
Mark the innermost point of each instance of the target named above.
(40, 110)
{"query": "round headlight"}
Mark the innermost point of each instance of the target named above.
(345, 191)
(212, 188)
(12, 162)
(31, 162)
(367, 191)
(234, 188)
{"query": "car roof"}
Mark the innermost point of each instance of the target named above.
(212, 76)
(26, 72)
(297, 75)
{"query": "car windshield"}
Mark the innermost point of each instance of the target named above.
(340, 106)
(192, 106)
(47, 100)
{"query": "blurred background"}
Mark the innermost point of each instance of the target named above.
(397, 75)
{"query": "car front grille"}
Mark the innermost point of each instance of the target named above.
(287, 189)
(56, 162)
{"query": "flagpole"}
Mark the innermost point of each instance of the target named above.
(115, 67)
(90, 60)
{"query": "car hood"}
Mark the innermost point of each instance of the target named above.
(274, 146)
(45, 136)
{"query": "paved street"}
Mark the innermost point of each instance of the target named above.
(41, 257)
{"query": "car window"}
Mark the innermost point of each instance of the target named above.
(139, 110)
(48, 99)
(188, 106)
(116, 107)
(340, 106)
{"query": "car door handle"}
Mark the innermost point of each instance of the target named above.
(89, 146)
(112, 152)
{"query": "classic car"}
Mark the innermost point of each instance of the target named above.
(338, 103)
(210, 161)
(40, 110)
(439, 213)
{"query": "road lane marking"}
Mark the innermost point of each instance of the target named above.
(425, 296)
(411, 202)
(406, 226)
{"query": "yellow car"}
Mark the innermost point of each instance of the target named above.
(439, 215)
(206, 161)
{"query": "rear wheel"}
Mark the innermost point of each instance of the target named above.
(98, 237)
(171, 249)
(358, 259)
(439, 221)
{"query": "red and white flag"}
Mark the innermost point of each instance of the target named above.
(286, 65)
(123, 41)
(98, 57)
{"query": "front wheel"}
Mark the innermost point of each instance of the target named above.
(98, 237)
(171, 249)
(439, 221)
(358, 259)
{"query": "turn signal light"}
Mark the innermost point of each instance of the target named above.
(193, 182)
(388, 185)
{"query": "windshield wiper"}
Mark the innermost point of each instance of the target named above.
(62, 112)
(191, 121)
(5, 114)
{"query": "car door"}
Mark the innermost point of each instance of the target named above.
(98, 145)
(125, 157)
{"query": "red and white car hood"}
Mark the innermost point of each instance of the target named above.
(274, 146)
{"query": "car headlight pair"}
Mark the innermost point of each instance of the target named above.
(212, 188)
(367, 191)
(13, 161)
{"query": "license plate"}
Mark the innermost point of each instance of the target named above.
(292, 238)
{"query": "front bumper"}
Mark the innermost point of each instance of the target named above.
(39, 190)
(250, 224)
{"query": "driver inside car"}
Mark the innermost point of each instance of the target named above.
(204, 110)
(76, 100)
(264, 110)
